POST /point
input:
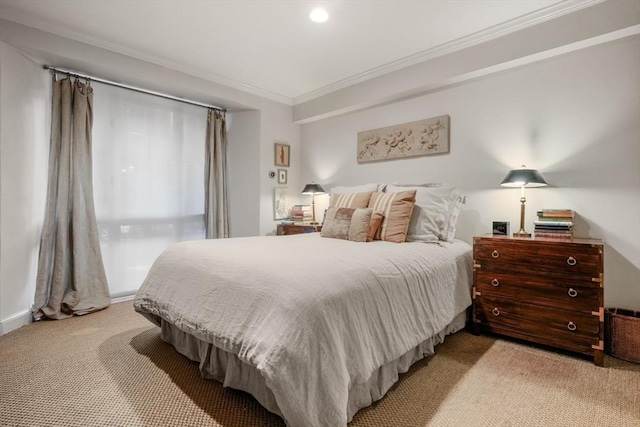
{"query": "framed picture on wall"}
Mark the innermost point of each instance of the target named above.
(281, 154)
(282, 176)
(281, 204)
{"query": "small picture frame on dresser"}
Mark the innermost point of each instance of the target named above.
(500, 228)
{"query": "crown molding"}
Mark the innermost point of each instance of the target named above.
(551, 12)
(520, 23)
(476, 74)
(13, 15)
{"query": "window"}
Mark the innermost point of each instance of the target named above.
(148, 179)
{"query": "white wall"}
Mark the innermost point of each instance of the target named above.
(277, 126)
(24, 147)
(575, 118)
(243, 156)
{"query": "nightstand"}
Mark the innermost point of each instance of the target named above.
(288, 229)
(544, 290)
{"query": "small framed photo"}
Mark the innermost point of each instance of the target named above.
(281, 154)
(500, 228)
(282, 176)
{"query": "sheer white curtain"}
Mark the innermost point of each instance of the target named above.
(148, 179)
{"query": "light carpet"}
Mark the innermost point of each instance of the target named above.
(112, 369)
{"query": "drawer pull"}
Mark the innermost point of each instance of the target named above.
(496, 254)
(572, 293)
(571, 326)
(495, 311)
(571, 261)
(495, 282)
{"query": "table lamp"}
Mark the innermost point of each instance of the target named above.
(313, 189)
(523, 178)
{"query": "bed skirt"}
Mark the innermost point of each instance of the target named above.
(226, 368)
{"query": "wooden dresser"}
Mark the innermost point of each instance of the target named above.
(548, 291)
(285, 230)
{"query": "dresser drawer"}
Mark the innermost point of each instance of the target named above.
(563, 329)
(545, 259)
(563, 293)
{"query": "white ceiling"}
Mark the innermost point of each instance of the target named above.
(272, 48)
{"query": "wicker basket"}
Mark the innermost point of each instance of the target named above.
(622, 334)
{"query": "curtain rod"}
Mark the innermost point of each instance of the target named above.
(132, 88)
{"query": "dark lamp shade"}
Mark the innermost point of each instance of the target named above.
(523, 178)
(313, 189)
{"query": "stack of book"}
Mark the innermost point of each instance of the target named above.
(554, 223)
(301, 213)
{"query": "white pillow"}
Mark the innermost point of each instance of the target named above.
(355, 189)
(435, 213)
(450, 221)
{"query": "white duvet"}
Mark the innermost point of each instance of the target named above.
(313, 315)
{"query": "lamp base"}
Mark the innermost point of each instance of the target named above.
(521, 234)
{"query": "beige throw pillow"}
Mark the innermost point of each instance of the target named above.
(347, 224)
(351, 200)
(396, 208)
(374, 225)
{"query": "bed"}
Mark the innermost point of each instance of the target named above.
(314, 328)
(318, 326)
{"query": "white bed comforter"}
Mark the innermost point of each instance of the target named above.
(313, 315)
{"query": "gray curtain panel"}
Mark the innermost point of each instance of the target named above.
(71, 279)
(216, 211)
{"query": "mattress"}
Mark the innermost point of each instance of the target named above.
(314, 328)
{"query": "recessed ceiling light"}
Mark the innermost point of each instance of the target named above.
(319, 15)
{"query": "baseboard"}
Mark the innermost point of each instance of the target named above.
(24, 318)
(122, 298)
(14, 322)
